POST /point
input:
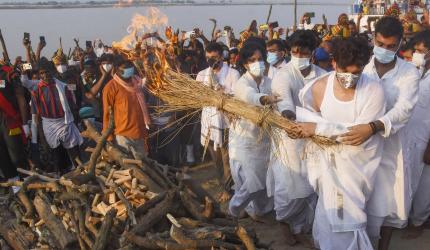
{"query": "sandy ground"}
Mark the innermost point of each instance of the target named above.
(269, 232)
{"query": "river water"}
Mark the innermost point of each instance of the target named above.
(110, 24)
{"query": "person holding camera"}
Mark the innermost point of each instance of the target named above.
(306, 21)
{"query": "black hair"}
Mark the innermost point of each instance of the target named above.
(408, 46)
(304, 39)
(351, 51)
(106, 58)
(46, 65)
(248, 50)
(124, 62)
(422, 37)
(214, 47)
(233, 51)
(389, 26)
(278, 42)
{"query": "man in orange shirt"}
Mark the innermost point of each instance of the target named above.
(124, 93)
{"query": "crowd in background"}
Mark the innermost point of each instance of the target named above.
(44, 100)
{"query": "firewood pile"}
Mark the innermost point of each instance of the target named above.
(115, 201)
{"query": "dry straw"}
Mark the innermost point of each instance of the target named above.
(180, 92)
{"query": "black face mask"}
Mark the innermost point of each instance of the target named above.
(214, 63)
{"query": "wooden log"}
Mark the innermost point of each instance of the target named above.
(117, 155)
(105, 230)
(192, 206)
(64, 238)
(127, 204)
(179, 236)
(244, 237)
(88, 224)
(150, 204)
(100, 144)
(155, 214)
(18, 236)
(75, 226)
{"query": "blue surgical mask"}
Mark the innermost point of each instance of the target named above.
(272, 58)
(384, 55)
(128, 73)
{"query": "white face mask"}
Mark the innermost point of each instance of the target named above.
(257, 68)
(107, 67)
(419, 59)
(300, 63)
(61, 68)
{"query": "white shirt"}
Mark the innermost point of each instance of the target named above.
(274, 69)
(400, 86)
(243, 133)
(213, 121)
(418, 127)
(288, 82)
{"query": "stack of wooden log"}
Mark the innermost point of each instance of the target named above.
(115, 202)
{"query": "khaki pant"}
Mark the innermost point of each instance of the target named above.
(136, 147)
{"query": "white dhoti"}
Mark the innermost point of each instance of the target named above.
(294, 198)
(327, 238)
(421, 204)
(248, 194)
(58, 133)
(390, 201)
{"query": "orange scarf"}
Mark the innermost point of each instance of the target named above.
(136, 87)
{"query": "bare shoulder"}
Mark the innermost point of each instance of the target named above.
(318, 90)
(320, 85)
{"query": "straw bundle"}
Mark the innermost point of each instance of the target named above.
(180, 92)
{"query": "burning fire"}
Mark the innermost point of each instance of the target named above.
(153, 21)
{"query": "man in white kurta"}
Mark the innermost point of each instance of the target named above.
(249, 151)
(342, 175)
(294, 198)
(391, 200)
(275, 57)
(416, 145)
(417, 139)
(214, 125)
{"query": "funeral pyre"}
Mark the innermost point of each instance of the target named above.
(115, 201)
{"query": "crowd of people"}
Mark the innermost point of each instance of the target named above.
(367, 90)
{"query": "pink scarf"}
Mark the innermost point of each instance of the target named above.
(136, 88)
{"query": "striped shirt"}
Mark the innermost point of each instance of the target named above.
(46, 100)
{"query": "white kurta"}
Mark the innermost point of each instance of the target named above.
(274, 69)
(391, 200)
(249, 150)
(213, 121)
(417, 136)
(286, 177)
(342, 175)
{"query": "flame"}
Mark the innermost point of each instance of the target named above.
(153, 21)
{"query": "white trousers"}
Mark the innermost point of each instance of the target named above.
(421, 203)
